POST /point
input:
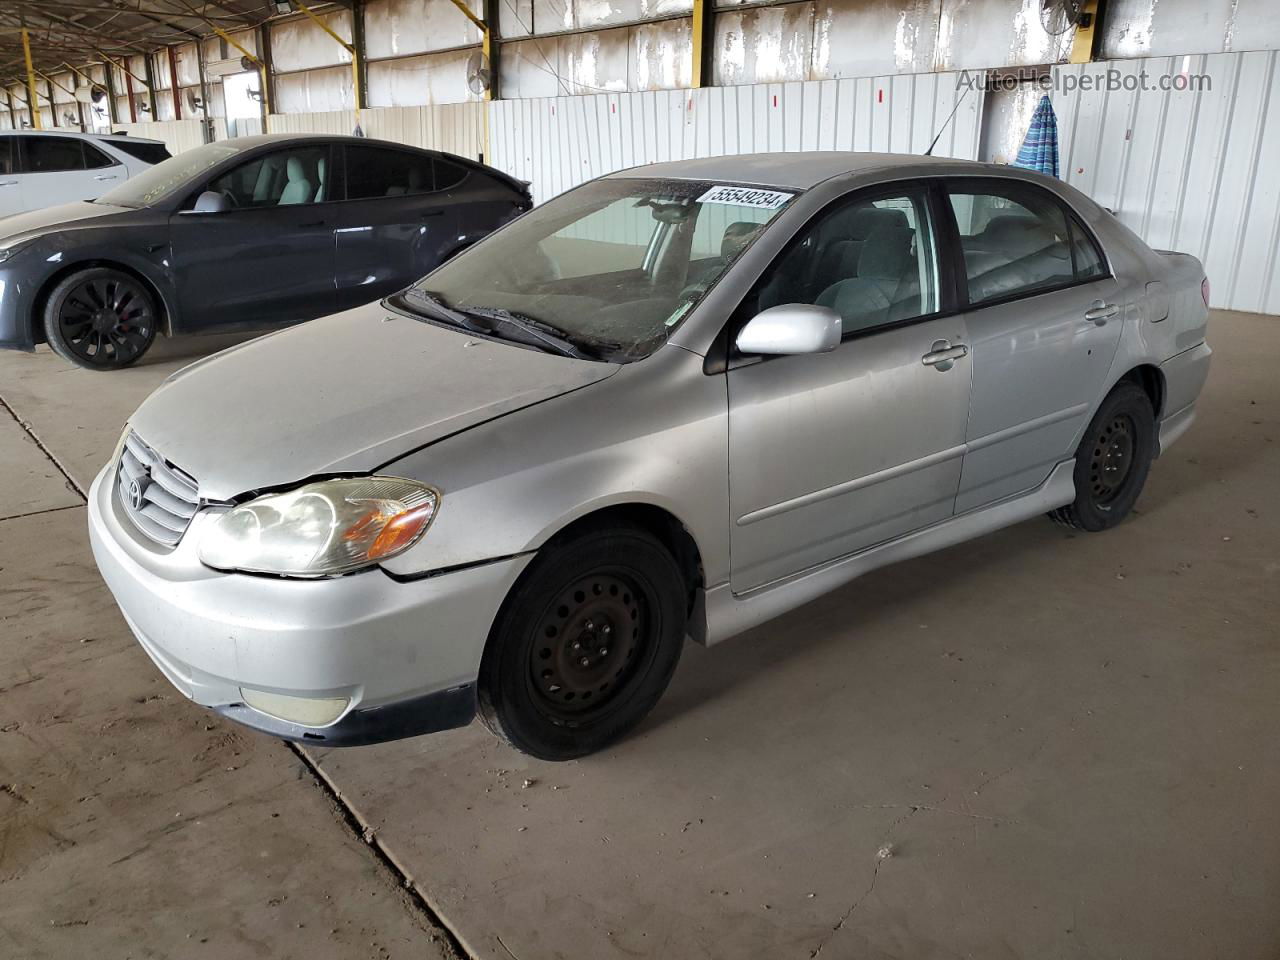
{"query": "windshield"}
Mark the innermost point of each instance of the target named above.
(611, 268)
(167, 178)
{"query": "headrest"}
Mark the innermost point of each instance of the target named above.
(737, 236)
(1016, 231)
(294, 170)
(415, 178)
(886, 253)
(866, 220)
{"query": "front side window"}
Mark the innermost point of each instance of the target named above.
(873, 261)
(611, 268)
(280, 179)
(374, 172)
(52, 154)
(1015, 241)
(171, 177)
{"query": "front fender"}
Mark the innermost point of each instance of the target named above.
(656, 433)
(50, 258)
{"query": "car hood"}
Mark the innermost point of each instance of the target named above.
(346, 393)
(21, 226)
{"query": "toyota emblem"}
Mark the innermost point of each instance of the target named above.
(136, 490)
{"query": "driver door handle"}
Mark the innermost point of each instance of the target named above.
(8, 183)
(942, 356)
(104, 176)
(1101, 312)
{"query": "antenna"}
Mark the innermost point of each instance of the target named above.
(947, 122)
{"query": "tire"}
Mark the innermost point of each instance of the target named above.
(537, 690)
(1112, 461)
(101, 318)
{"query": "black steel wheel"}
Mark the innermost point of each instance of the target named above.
(1112, 461)
(585, 644)
(101, 319)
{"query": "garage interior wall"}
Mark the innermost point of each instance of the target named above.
(588, 87)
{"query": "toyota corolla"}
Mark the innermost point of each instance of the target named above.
(674, 402)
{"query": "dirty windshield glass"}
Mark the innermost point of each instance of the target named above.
(606, 271)
(156, 183)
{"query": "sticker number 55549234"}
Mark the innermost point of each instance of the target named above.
(746, 197)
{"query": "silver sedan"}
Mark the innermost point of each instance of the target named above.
(674, 402)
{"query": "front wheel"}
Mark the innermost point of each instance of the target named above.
(101, 319)
(585, 645)
(1112, 461)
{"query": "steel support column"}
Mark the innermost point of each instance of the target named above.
(33, 103)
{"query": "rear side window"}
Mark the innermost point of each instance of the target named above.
(146, 152)
(1088, 260)
(448, 174)
(94, 158)
(7, 160)
(52, 154)
(374, 172)
(1015, 241)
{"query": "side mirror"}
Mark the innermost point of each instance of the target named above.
(211, 202)
(791, 328)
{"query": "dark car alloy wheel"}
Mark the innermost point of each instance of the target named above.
(107, 321)
(590, 636)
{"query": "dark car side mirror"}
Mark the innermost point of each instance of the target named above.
(211, 201)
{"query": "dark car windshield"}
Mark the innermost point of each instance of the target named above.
(167, 178)
(612, 267)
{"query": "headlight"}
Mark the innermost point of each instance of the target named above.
(321, 529)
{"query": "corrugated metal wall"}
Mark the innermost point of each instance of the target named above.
(559, 142)
(452, 127)
(1190, 171)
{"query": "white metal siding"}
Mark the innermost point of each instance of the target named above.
(559, 142)
(1189, 171)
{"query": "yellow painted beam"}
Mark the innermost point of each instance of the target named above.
(262, 67)
(32, 97)
(699, 42)
(355, 57)
(1082, 46)
(466, 11)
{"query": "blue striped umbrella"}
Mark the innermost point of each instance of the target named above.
(1040, 150)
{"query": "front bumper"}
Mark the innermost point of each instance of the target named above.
(400, 657)
(17, 304)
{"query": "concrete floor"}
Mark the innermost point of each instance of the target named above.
(1038, 744)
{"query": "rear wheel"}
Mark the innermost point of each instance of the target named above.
(1112, 460)
(585, 645)
(101, 319)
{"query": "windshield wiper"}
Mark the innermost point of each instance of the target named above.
(544, 333)
(441, 310)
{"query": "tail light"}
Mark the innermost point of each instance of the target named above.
(1204, 290)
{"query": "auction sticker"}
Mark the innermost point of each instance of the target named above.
(746, 197)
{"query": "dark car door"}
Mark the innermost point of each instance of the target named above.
(269, 257)
(394, 225)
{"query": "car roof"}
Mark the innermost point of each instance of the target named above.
(108, 137)
(799, 171)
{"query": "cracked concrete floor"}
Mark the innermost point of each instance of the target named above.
(1037, 744)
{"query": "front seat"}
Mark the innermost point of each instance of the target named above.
(866, 300)
(320, 169)
(299, 189)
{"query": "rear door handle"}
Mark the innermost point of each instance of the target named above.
(104, 176)
(942, 356)
(431, 213)
(1101, 312)
(8, 183)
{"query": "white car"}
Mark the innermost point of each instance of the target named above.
(42, 168)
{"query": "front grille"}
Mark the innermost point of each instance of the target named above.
(158, 497)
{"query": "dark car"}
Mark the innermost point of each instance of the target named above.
(243, 233)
